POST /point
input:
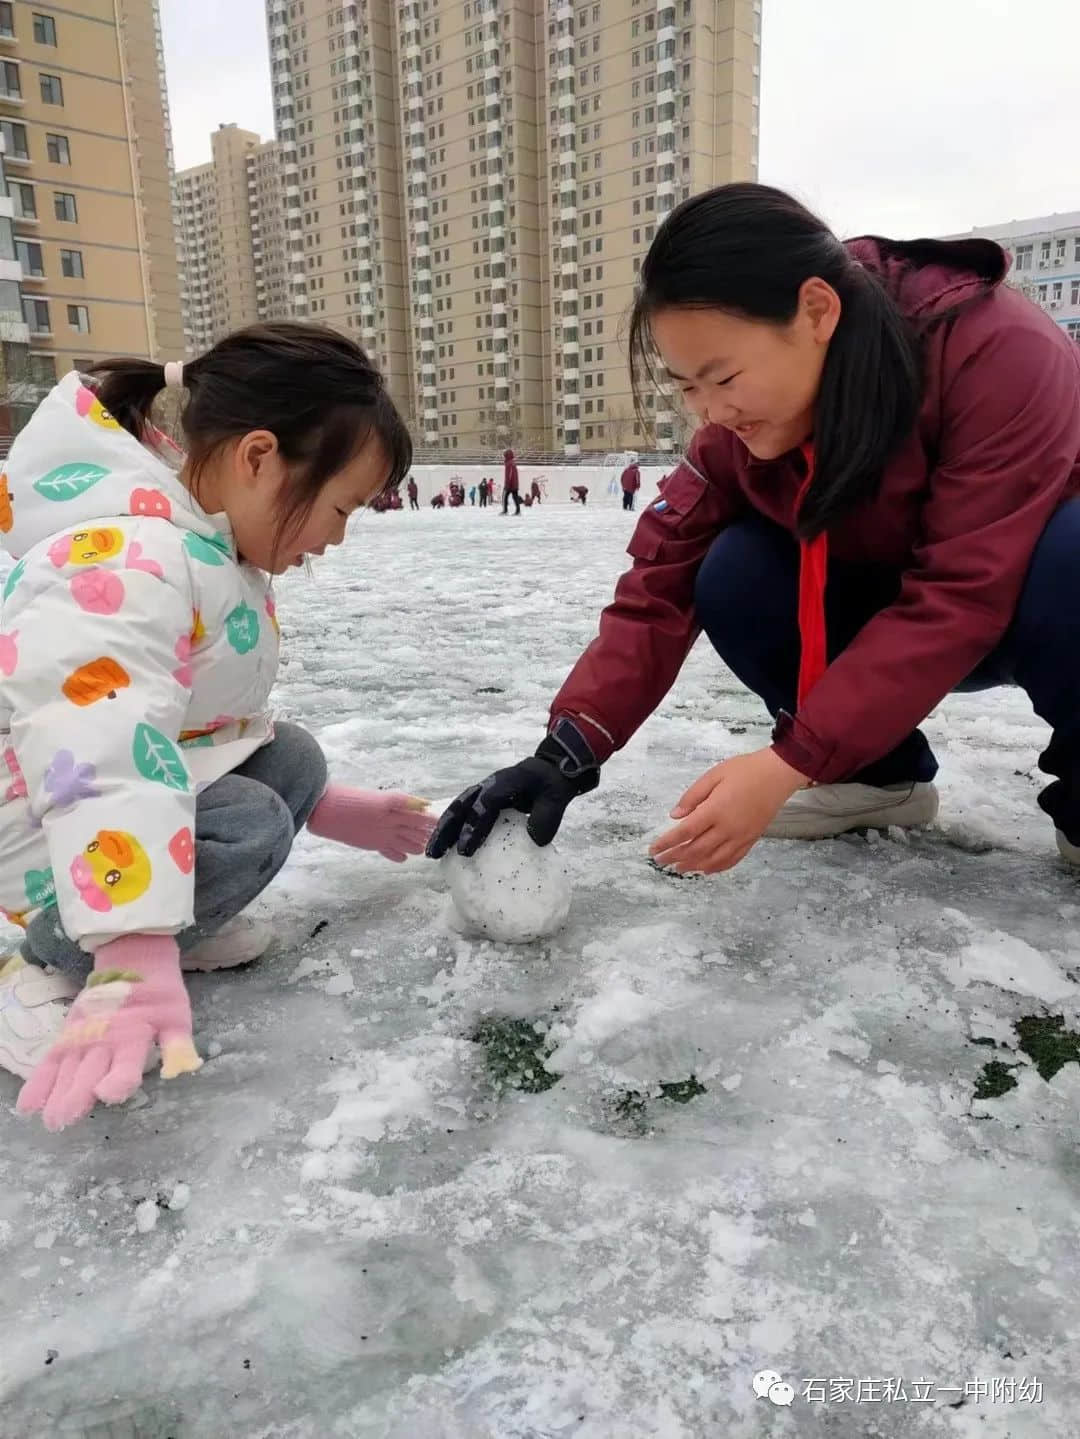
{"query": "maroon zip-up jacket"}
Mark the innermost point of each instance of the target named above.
(995, 451)
(510, 472)
(630, 479)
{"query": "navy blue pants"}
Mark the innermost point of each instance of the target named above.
(746, 601)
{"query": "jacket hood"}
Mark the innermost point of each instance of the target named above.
(73, 464)
(508, 454)
(928, 277)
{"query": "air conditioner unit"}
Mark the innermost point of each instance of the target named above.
(1055, 304)
(1060, 260)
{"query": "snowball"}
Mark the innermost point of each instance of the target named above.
(180, 1196)
(511, 889)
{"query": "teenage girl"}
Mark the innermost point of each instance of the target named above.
(879, 506)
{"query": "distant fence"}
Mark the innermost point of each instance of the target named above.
(490, 461)
(556, 481)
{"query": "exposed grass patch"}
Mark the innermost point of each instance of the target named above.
(632, 1107)
(994, 1080)
(1046, 1042)
(514, 1051)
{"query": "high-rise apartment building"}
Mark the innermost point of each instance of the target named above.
(23, 380)
(232, 238)
(471, 184)
(1046, 263)
(88, 157)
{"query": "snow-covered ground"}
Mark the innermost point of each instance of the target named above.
(393, 1228)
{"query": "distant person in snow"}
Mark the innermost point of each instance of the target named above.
(579, 494)
(534, 492)
(153, 826)
(510, 483)
(414, 493)
(880, 506)
(483, 494)
(630, 481)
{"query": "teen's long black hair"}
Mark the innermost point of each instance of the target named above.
(747, 249)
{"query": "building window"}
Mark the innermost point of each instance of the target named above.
(64, 206)
(31, 257)
(36, 315)
(25, 202)
(52, 90)
(7, 20)
(15, 146)
(59, 151)
(44, 29)
(9, 80)
(71, 265)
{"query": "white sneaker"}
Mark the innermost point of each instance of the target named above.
(34, 1003)
(238, 941)
(828, 810)
(1070, 853)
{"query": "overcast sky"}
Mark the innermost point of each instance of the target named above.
(919, 117)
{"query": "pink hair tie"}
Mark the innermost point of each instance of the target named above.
(174, 375)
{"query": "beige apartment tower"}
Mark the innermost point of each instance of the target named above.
(88, 159)
(471, 184)
(232, 238)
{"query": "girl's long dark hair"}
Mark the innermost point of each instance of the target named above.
(747, 249)
(312, 388)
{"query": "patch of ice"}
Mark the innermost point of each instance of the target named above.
(146, 1216)
(1010, 963)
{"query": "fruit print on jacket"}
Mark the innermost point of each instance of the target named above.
(7, 514)
(86, 547)
(90, 407)
(112, 869)
(99, 680)
(128, 623)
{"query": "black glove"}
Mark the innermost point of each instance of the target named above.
(542, 786)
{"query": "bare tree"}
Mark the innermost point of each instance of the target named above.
(618, 427)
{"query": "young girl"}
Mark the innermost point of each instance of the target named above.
(879, 506)
(150, 797)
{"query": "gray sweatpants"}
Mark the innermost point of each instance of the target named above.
(245, 824)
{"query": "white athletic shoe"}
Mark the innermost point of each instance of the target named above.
(828, 810)
(34, 1003)
(238, 941)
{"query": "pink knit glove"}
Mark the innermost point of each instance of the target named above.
(396, 825)
(134, 997)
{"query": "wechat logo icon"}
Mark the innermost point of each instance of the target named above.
(769, 1385)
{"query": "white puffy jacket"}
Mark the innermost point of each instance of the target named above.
(137, 656)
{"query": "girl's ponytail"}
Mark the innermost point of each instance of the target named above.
(128, 389)
(871, 390)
